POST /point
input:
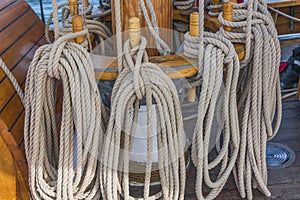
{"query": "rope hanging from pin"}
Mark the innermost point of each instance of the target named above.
(214, 54)
(99, 29)
(64, 164)
(141, 80)
(259, 101)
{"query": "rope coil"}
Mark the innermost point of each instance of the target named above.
(137, 80)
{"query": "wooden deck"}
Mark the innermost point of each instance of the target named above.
(284, 184)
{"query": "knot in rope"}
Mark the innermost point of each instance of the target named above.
(136, 59)
(142, 79)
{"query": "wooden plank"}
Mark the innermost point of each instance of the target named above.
(8, 184)
(22, 46)
(16, 30)
(12, 111)
(282, 3)
(12, 13)
(7, 91)
(18, 128)
(5, 3)
(20, 164)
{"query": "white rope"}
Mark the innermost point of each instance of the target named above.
(140, 79)
(183, 4)
(161, 46)
(64, 167)
(218, 53)
(259, 102)
(283, 14)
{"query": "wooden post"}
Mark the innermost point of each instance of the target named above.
(228, 14)
(194, 31)
(134, 31)
(214, 3)
(164, 15)
(73, 4)
(77, 25)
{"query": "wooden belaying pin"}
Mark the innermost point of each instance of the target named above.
(228, 14)
(77, 26)
(194, 31)
(73, 4)
(134, 31)
(214, 3)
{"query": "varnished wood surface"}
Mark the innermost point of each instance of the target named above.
(175, 66)
(13, 168)
(282, 3)
(283, 23)
(164, 16)
(21, 34)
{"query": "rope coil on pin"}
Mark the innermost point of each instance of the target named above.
(259, 102)
(63, 165)
(214, 53)
(139, 80)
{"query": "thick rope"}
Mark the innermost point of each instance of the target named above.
(64, 166)
(140, 79)
(259, 102)
(184, 4)
(218, 53)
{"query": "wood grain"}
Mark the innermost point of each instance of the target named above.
(175, 66)
(164, 15)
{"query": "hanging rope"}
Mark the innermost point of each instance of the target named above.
(214, 52)
(63, 165)
(161, 46)
(100, 30)
(141, 79)
(259, 102)
(183, 4)
(218, 53)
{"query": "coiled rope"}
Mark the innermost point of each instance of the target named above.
(212, 8)
(101, 31)
(214, 52)
(139, 79)
(218, 53)
(259, 102)
(184, 4)
(63, 165)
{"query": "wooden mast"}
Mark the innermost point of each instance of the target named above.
(164, 15)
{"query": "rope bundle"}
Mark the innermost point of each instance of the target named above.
(64, 167)
(98, 28)
(183, 4)
(259, 101)
(218, 53)
(140, 79)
